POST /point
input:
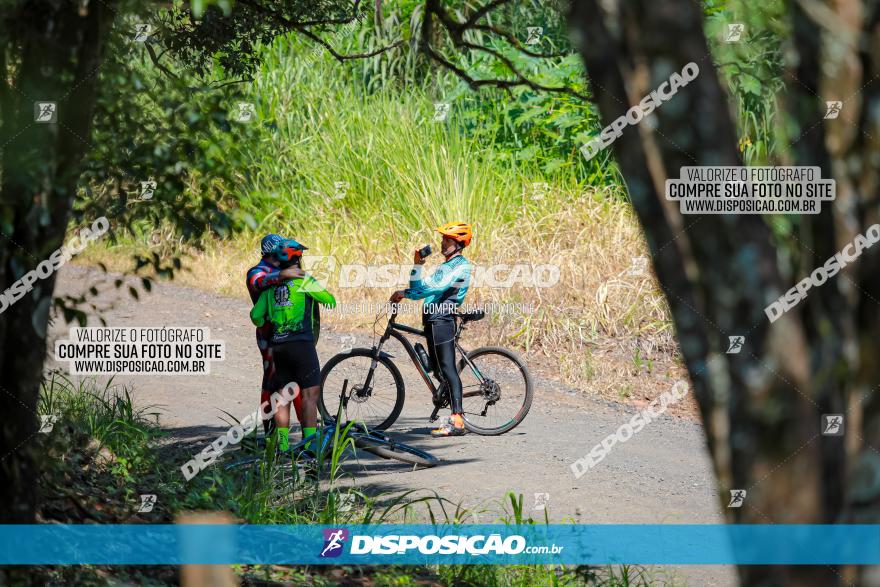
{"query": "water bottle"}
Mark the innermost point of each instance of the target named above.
(424, 359)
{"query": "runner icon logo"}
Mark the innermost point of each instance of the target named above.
(735, 344)
(735, 32)
(142, 32)
(45, 112)
(441, 111)
(148, 502)
(832, 109)
(832, 424)
(333, 541)
(534, 35)
(148, 188)
(737, 497)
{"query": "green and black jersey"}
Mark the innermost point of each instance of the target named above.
(292, 309)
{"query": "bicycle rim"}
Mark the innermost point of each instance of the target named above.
(498, 396)
(377, 407)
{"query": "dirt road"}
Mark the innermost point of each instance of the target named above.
(661, 475)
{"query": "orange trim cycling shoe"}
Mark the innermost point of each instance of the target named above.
(454, 426)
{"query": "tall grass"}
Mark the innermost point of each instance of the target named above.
(403, 171)
(272, 494)
(353, 164)
(106, 414)
(347, 158)
(753, 70)
(365, 176)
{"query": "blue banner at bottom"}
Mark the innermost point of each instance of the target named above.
(440, 544)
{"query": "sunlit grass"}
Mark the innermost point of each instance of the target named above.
(365, 178)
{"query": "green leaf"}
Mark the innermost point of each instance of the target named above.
(528, 153)
(553, 165)
(750, 85)
(198, 8)
(527, 115)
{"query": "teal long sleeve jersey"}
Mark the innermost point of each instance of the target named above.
(444, 290)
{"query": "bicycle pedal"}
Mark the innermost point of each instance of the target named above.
(434, 415)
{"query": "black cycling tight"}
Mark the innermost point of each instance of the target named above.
(440, 334)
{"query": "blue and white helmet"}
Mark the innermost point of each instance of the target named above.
(269, 242)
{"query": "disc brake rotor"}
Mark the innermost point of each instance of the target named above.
(490, 390)
(359, 394)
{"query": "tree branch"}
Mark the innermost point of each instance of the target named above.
(350, 56)
(455, 30)
(155, 59)
(515, 42)
(521, 79)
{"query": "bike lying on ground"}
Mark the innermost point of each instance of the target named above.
(496, 386)
(353, 435)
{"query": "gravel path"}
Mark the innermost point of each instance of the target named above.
(661, 475)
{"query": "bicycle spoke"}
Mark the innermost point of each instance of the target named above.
(372, 405)
(496, 400)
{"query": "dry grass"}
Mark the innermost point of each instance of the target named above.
(601, 329)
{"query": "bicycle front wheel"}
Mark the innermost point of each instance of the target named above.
(373, 392)
(497, 390)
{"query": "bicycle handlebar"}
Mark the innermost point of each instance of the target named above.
(396, 306)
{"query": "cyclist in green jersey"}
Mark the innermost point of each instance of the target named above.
(291, 308)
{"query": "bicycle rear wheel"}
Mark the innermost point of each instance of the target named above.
(376, 405)
(496, 392)
(386, 448)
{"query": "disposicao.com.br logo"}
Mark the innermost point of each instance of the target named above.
(450, 545)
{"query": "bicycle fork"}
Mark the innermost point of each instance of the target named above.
(365, 390)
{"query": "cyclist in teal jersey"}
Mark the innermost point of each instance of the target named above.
(443, 292)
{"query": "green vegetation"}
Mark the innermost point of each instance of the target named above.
(350, 159)
(753, 69)
(102, 454)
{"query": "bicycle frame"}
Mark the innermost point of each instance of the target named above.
(395, 330)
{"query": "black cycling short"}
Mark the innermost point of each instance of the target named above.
(295, 361)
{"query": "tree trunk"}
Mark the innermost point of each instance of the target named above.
(58, 50)
(762, 408)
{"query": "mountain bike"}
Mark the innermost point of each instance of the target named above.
(497, 388)
(320, 445)
(371, 441)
